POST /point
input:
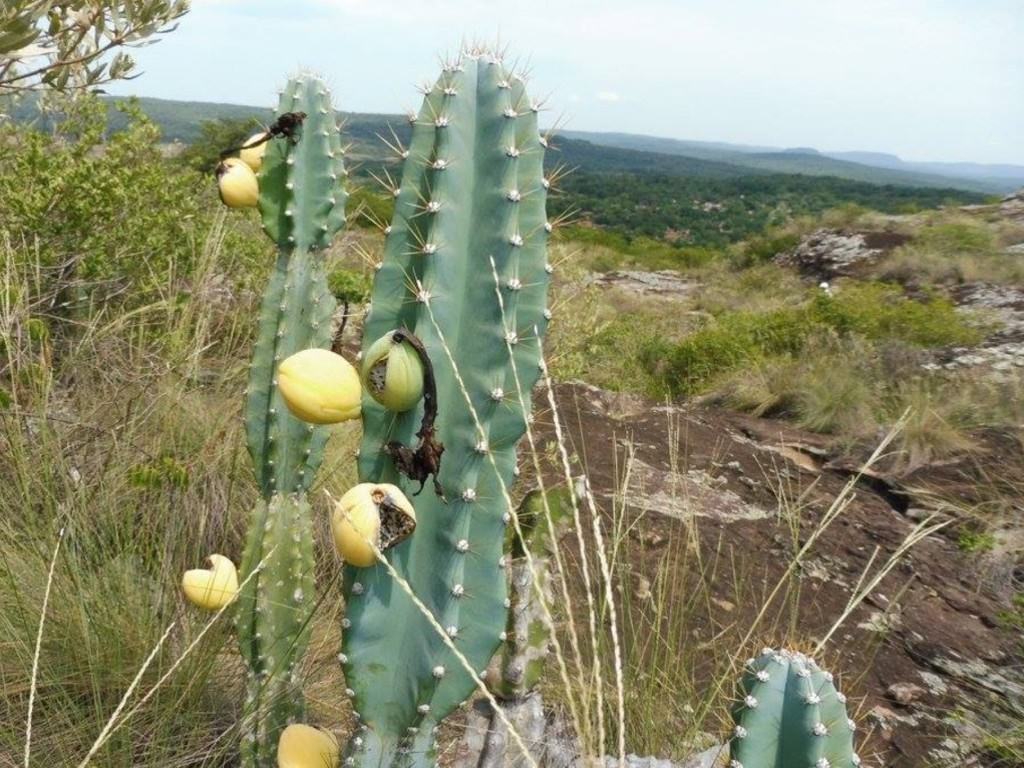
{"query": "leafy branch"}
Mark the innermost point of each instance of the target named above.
(67, 46)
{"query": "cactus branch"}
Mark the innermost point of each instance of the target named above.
(454, 206)
(302, 204)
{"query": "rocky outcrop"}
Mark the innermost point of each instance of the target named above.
(1001, 354)
(930, 654)
(1012, 206)
(827, 253)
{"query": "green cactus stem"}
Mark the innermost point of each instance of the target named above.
(527, 637)
(302, 203)
(472, 190)
(790, 715)
(273, 626)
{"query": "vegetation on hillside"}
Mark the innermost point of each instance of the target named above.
(127, 311)
(678, 200)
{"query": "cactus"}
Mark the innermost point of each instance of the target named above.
(521, 661)
(790, 715)
(302, 202)
(472, 190)
(516, 670)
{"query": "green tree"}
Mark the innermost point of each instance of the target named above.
(216, 136)
(112, 215)
(76, 44)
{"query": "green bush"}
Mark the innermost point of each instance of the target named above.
(349, 286)
(872, 311)
(367, 208)
(216, 136)
(727, 342)
(878, 311)
(767, 246)
(957, 237)
(114, 211)
(610, 250)
(973, 540)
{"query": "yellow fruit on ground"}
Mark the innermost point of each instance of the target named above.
(237, 184)
(371, 515)
(214, 587)
(320, 387)
(253, 155)
(303, 746)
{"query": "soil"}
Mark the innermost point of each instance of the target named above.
(926, 658)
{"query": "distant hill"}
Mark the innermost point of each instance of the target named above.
(625, 152)
(701, 194)
(1002, 177)
(873, 167)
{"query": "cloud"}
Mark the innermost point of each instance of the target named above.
(927, 79)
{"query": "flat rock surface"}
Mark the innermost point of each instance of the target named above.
(665, 283)
(932, 625)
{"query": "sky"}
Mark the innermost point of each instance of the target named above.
(924, 79)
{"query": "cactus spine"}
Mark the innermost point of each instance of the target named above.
(790, 715)
(302, 203)
(472, 190)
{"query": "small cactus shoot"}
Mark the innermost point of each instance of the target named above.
(790, 715)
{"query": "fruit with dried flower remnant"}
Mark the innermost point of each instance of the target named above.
(392, 372)
(371, 515)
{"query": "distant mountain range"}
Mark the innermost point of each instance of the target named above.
(632, 153)
(876, 167)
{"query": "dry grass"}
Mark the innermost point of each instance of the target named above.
(950, 249)
(125, 431)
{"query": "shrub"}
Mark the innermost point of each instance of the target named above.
(767, 246)
(844, 216)
(727, 342)
(957, 236)
(114, 212)
(873, 312)
(878, 311)
(606, 251)
(216, 136)
(349, 286)
(367, 208)
(972, 540)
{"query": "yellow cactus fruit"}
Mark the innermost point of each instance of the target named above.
(319, 386)
(253, 155)
(237, 184)
(371, 512)
(392, 373)
(303, 746)
(214, 587)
